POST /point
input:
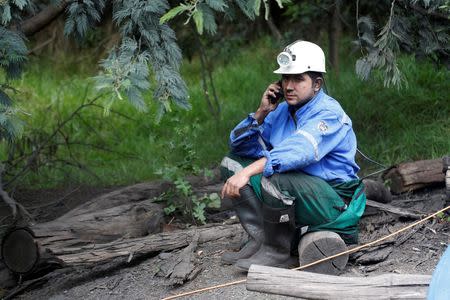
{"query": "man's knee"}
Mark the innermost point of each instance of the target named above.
(272, 192)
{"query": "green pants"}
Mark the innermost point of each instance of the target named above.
(319, 205)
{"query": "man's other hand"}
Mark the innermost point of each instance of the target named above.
(234, 184)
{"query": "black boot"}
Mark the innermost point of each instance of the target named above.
(248, 209)
(279, 231)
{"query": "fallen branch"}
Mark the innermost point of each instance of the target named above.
(402, 212)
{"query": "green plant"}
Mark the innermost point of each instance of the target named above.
(443, 217)
(184, 202)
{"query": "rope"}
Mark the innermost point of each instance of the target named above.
(317, 261)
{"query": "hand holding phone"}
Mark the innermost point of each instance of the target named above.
(278, 95)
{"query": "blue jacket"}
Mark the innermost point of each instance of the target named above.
(319, 140)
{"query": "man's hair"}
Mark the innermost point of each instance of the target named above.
(315, 75)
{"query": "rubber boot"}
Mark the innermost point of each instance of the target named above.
(248, 209)
(279, 231)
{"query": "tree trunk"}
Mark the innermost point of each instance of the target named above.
(129, 249)
(68, 253)
(407, 177)
(334, 35)
(111, 226)
(125, 213)
(317, 286)
(36, 23)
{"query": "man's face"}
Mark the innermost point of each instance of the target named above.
(298, 88)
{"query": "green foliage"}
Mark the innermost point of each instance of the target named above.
(174, 12)
(185, 134)
(413, 27)
(184, 202)
(126, 70)
(146, 39)
(10, 125)
(9, 10)
(13, 53)
(204, 11)
(443, 217)
(82, 15)
(303, 13)
(140, 21)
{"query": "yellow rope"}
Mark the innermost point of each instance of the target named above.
(317, 261)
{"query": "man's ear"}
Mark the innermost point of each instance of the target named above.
(318, 84)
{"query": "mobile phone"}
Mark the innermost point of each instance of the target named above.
(278, 95)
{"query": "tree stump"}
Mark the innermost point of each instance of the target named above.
(317, 245)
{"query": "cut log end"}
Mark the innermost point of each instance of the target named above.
(317, 245)
(20, 252)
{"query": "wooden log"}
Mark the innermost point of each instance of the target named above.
(308, 285)
(320, 244)
(376, 191)
(32, 249)
(126, 250)
(446, 171)
(134, 248)
(410, 176)
(122, 214)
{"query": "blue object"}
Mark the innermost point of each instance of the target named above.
(318, 140)
(440, 282)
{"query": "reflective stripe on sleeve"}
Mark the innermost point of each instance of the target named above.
(261, 142)
(312, 140)
(231, 165)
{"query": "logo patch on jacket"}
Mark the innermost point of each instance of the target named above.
(323, 127)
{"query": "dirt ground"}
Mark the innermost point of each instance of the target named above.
(417, 251)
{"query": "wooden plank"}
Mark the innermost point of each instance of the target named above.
(308, 285)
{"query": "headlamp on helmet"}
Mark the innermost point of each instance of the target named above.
(285, 58)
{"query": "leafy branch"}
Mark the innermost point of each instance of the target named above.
(409, 28)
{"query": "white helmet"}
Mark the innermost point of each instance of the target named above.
(300, 57)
